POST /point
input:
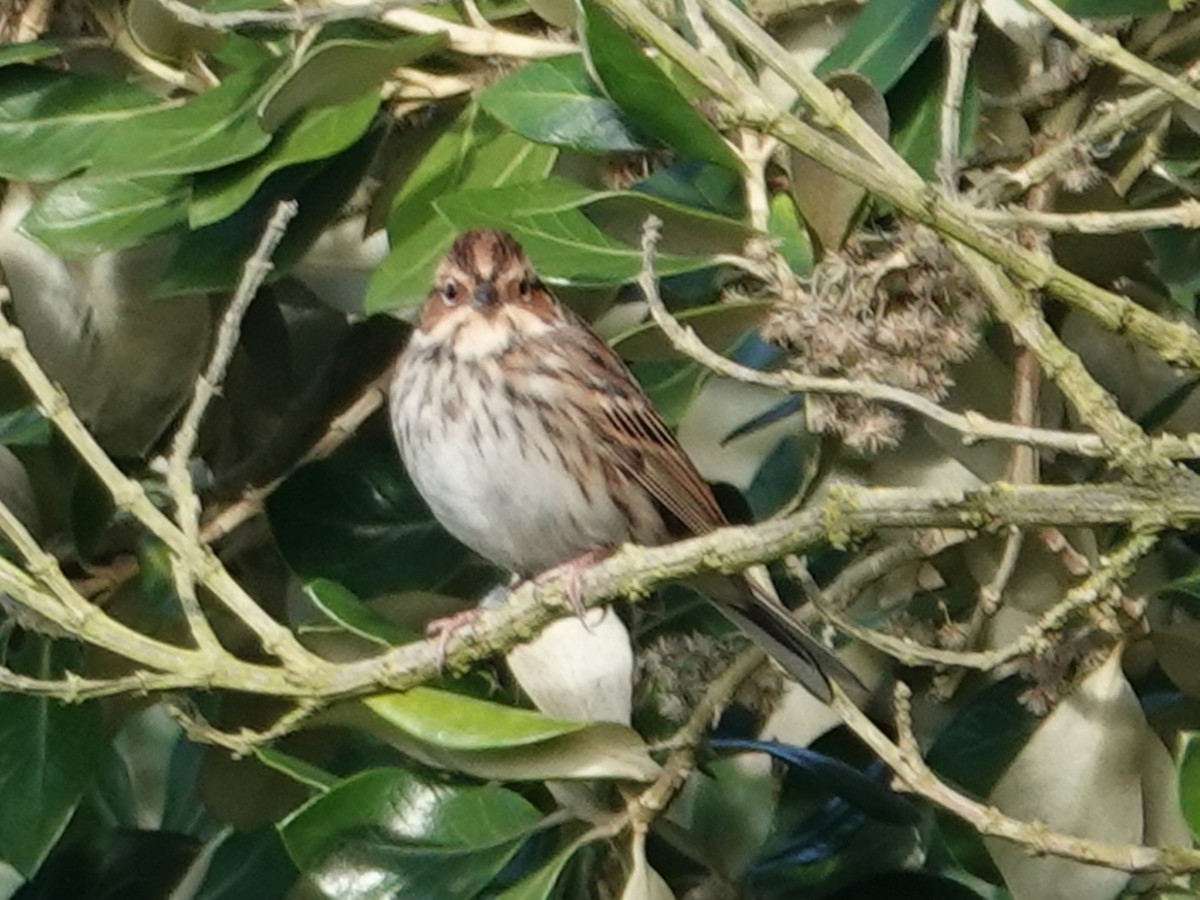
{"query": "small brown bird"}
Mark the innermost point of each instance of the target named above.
(533, 444)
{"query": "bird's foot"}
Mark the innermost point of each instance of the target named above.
(445, 628)
(573, 571)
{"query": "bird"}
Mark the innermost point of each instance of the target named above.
(533, 444)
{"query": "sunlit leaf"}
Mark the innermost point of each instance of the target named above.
(316, 134)
(83, 216)
(554, 102)
(883, 40)
(54, 123)
(645, 94)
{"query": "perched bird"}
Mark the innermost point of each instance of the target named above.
(533, 444)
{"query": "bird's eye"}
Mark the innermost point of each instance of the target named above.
(525, 287)
(450, 291)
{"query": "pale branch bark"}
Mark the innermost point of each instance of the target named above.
(904, 758)
(208, 384)
(960, 41)
(883, 173)
(973, 426)
(1114, 568)
(1108, 49)
(463, 39)
(1182, 215)
(844, 515)
(131, 497)
(1114, 118)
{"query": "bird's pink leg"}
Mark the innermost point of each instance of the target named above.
(573, 571)
(443, 629)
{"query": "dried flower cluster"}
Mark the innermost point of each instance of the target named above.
(675, 671)
(894, 308)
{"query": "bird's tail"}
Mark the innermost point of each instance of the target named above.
(766, 621)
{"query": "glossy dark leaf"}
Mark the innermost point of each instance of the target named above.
(48, 754)
(84, 216)
(355, 519)
(248, 866)
(316, 134)
(867, 793)
(645, 94)
(554, 102)
(349, 611)
(564, 244)
(386, 833)
(339, 69)
(208, 131)
(883, 40)
(212, 258)
(54, 123)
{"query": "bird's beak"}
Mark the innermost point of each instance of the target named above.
(484, 295)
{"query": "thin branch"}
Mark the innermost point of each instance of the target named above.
(960, 41)
(1013, 305)
(904, 758)
(1107, 48)
(461, 38)
(973, 426)
(883, 173)
(1116, 117)
(1115, 568)
(1182, 215)
(130, 496)
(208, 384)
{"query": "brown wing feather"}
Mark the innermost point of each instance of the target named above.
(639, 442)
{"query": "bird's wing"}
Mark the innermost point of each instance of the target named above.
(632, 435)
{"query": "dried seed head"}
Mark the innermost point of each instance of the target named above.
(895, 308)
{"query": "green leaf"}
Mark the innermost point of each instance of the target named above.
(540, 885)
(25, 427)
(343, 607)
(387, 833)
(248, 866)
(1189, 780)
(338, 70)
(316, 134)
(490, 740)
(883, 40)
(48, 756)
(465, 723)
(83, 216)
(645, 94)
(53, 123)
(719, 325)
(794, 243)
(355, 519)
(28, 52)
(208, 131)
(1098, 9)
(212, 258)
(474, 152)
(294, 768)
(916, 106)
(563, 244)
(553, 101)
(670, 385)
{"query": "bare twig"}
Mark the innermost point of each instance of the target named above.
(960, 42)
(1107, 49)
(462, 38)
(904, 758)
(208, 383)
(1182, 215)
(1037, 637)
